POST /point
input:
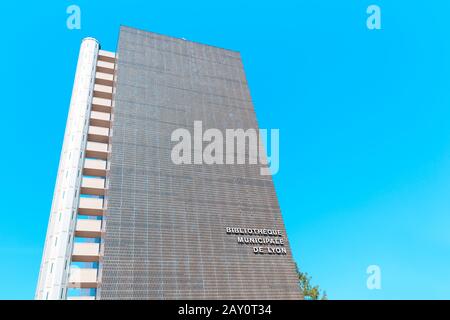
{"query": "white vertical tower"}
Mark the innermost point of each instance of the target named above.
(55, 266)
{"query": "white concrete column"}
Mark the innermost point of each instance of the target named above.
(53, 276)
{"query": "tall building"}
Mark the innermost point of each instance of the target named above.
(126, 221)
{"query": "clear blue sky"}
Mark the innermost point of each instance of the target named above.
(364, 120)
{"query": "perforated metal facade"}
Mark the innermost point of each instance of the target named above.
(165, 224)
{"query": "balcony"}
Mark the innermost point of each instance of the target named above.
(100, 119)
(83, 278)
(81, 298)
(107, 56)
(87, 228)
(103, 88)
(90, 206)
(105, 67)
(93, 186)
(94, 167)
(104, 79)
(98, 134)
(102, 91)
(85, 252)
(97, 150)
(102, 105)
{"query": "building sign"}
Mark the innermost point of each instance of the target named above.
(262, 241)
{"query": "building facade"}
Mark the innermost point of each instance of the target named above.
(126, 221)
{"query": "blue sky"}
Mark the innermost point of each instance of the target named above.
(364, 119)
